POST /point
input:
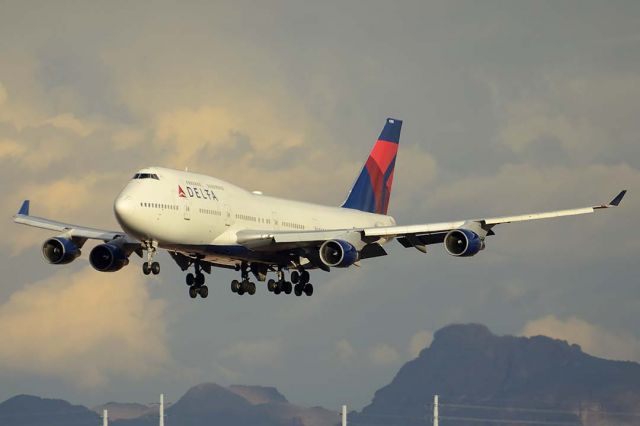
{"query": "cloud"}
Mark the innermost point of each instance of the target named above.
(383, 354)
(84, 328)
(344, 351)
(10, 149)
(70, 199)
(254, 352)
(594, 339)
(3, 94)
(72, 123)
(419, 341)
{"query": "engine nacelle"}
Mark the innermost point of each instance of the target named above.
(338, 253)
(108, 257)
(60, 251)
(463, 243)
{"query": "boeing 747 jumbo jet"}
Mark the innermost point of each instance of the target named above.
(204, 222)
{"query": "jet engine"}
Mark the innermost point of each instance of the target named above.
(60, 251)
(338, 253)
(463, 243)
(108, 257)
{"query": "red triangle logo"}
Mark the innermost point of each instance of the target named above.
(181, 193)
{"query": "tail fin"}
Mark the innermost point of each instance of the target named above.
(372, 189)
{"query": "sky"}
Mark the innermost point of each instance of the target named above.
(508, 107)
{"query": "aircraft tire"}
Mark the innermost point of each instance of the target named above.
(308, 289)
(235, 286)
(287, 287)
(155, 268)
(204, 291)
(251, 288)
(145, 268)
(295, 277)
(271, 285)
(190, 280)
(193, 292)
(297, 290)
(304, 277)
(199, 279)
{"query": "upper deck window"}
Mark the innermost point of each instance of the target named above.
(146, 176)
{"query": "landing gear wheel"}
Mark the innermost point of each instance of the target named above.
(235, 286)
(204, 291)
(190, 279)
(155, 268)
(252, 289)
(193, 292)
(271, 285)
(308, 289)
(304, 277)
(199, 279)
(145, 268)
(295, 277)
(278, 288)
(244, 287)
(298, 289)
(287, 287)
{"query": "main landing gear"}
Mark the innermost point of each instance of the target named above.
(196, 283)
(245, 286)
(299, 278)
(151, 267)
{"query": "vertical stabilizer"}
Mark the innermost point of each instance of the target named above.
(372, 189)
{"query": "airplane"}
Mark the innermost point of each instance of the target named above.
(204, 222)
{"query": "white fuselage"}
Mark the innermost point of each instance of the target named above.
(200, 215)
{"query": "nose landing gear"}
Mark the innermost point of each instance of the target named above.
(151, 267)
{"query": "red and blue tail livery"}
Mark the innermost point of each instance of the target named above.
(372, 189)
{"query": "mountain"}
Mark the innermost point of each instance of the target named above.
(259, 394)
(481, 379)
(209, 403)
(123, 410)
(26, 410)
(479, 375)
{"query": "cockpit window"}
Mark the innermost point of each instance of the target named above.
(146, 176)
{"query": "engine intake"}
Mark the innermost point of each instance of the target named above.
(108, 257)
(60, 251)
(463, 243)
(338, 253)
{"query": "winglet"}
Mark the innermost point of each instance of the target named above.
(24, 209)
(616, 201)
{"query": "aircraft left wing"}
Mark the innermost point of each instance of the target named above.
(485, 223)
(418, 236)
(71, 230)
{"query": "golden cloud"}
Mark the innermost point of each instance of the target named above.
(84, 328)
(594, 339)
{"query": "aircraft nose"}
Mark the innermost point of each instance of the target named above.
(123, 207)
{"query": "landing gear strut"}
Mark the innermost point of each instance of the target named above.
(150, 267)
(244, 286)
(196, 282)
